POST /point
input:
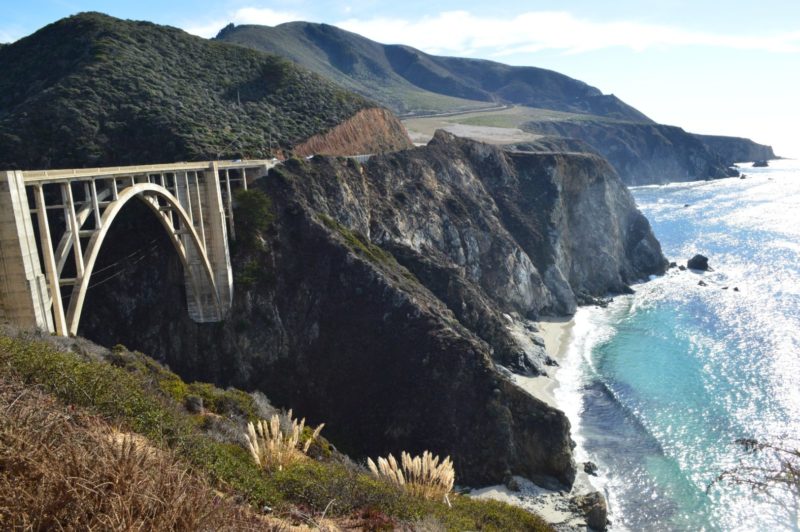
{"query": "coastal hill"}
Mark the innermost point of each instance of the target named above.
(411, 82)
(92, 90)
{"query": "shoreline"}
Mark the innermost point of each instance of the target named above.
(556, 333)
(555, 506)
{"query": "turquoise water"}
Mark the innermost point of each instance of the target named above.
(662, 383)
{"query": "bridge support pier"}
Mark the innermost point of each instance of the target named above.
(23, 288)
(217, 235)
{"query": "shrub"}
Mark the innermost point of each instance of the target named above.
(424, 476)
(274, 447)
(129, 393)
(252, 214)
(62, 469)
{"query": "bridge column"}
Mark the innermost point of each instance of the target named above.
(202, 300)
(217, 236)
(24, 299)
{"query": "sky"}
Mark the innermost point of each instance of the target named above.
(727, 68)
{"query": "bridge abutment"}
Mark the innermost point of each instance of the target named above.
(24, 297)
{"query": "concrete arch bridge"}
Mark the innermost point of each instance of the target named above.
(53, 224)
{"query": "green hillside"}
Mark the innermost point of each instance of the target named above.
(410, 81)
(92, 90)
(63, 399)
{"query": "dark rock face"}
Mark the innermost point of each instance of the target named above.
(378, 301)
(698, 262)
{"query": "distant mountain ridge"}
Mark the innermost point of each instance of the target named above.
(409, 81)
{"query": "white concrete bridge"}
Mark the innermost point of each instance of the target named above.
(54, 222)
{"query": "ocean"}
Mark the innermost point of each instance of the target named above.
(660, 385)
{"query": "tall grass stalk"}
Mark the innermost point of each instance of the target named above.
(274, 447)
(425, 476)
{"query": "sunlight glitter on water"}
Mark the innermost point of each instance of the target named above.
(661, 384)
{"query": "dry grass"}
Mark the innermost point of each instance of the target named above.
(274, 446)
(424, 476)
(62, 469)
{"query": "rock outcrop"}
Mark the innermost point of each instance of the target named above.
(737, 149)
(642, 153)
(379, 300)
(368, 131)
(698, 262)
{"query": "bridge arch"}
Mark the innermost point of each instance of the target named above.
(196, 265)
(192, 200)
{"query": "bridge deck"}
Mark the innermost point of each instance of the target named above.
(50, 176)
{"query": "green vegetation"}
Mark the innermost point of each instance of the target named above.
(353, 62)
(92, 90)
(357, 243)
(137, 394)
(253, 214)
(368, 250)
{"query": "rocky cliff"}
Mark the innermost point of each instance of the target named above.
(642, 153)
(380, 299)
(737, 149)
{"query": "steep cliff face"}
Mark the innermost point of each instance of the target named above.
(368, 131)
(737, 149)
(642, 153)
(378, 300)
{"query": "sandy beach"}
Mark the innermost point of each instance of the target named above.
(555, 332)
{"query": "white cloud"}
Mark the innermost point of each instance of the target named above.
(462, 33)
(10, 35)
(245, 15)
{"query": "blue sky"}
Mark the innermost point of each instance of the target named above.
(731, 70)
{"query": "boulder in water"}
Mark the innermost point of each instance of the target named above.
(698, 262)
